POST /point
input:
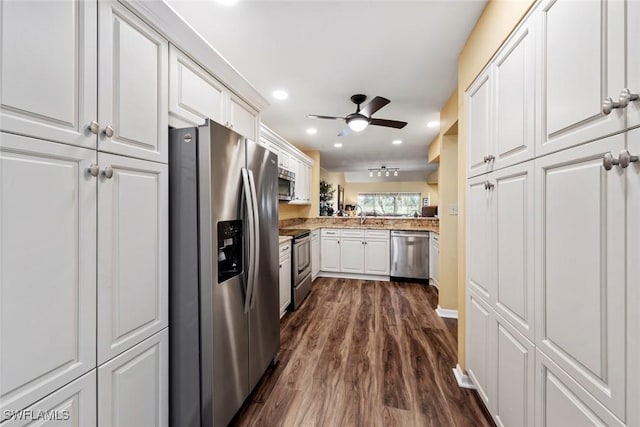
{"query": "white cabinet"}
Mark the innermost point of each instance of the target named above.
(376, 252)
(582, 62)
(51, 92)
(303, 188)
(481, 347)
(242, 118)
(315, 254)
(74, 404)
(580, 268)
(133, 388)
(480, 236)
(633, 291)
(352, 254)
(133, 87)
(285, 277)
(330, 250)
(434, 257)
(48, 265)
(480, 132)
(132, 252)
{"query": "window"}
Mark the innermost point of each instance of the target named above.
(390, 204)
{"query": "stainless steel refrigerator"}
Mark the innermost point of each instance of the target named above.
(224, 322)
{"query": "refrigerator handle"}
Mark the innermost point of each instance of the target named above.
(256, 237)
(252, 247)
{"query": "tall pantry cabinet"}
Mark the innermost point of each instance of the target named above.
(553, 242)
(83, 213)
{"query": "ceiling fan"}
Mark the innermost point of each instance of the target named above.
(359, 120)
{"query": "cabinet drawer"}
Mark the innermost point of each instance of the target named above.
(376, 234)
(330, 232)
(285, 248)
(315, 234)
(352, 233)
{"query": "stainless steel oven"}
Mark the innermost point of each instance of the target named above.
(300, 265)
(286, 184)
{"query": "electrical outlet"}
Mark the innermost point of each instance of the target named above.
(453, 209)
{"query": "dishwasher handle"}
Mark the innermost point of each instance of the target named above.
(419, 234)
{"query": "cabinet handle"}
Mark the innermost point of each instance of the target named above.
(94, 169)
(609, 105)
(625, 159)
(94, 127)
(626, 96)
(280, 265)
(489, 158)
(338, 241)
(488, 185)
(108, 172)
(108, 131)
(608, 161)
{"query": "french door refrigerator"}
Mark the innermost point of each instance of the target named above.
(224, 314)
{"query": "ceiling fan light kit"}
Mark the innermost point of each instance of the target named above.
(357, 122)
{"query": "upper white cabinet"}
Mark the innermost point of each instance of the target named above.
(580, 268)
(480, 129)
(49, 83)
(582, 63)
(133, 252)
(133, 87)
(242, 118)
(633, 61)
(48, 264)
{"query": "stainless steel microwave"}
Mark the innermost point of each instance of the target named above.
(286, 184)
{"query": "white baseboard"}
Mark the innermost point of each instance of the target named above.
(463, 380)
(447, 313)
(353, 276)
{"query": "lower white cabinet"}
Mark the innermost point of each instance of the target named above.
(48, 265)
(352, 252)
(72, 405)
(285, 277)
(133, 388)
(132, 252)
(315, 254)
(330, 250)
(355, 251)
(376, 252)
(480, 348)
(434, 257)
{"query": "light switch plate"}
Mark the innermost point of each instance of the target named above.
(453, 209)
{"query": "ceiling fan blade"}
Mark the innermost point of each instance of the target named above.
(344, 132)
(315, 116)
(376, 103)
(388, 123)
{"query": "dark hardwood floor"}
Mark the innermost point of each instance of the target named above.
(364, 353)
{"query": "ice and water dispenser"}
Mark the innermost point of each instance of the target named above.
(230, 249)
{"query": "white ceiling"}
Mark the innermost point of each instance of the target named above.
(322, 52)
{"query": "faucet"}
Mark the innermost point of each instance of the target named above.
(363, 216)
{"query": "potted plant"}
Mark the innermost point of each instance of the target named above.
(326, 198)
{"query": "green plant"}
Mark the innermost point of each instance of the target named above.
(326, 196)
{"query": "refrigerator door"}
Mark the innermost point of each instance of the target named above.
(224, 325)
(264, 320)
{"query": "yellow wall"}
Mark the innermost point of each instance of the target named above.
(353, 188)
(433, 154)
(335, 179)
(497, 21)
(287, 211)
(448, 189)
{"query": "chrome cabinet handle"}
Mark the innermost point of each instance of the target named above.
(626, 96)
(108, 172)
(609, 105)
(625, 159)
(608, 161)
(94, 127)
(94, 169)
(108, 131)
(489, 158)
(338, 241)
(488, 185)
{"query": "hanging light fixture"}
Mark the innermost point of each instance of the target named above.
(383, 169)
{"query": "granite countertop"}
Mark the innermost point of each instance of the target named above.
(375, 223)
(283, 239)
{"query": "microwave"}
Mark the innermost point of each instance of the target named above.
(286, 184)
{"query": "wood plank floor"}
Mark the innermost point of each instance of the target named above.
(364, 353)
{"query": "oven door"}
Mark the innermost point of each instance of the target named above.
(301, 259)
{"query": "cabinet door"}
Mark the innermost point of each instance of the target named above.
(133, 86)
(242, 118)
(133, 388)
(194, 95)
(582, 61)
(48, 265)
(74, 405)
(633, 61)
(580, 268)
(376, 257)
(480, 237)
(515, 377)
(479, 131)
(301, 182)
(514, 94)
(48, 77)
(481, 347)
(285, 284)
(315, 256)
(352, 255)
(330, 258)
(132, 253)
(513, 225)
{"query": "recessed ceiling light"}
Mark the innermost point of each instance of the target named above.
(227, 2)
(337, 144)
(434, 124)
(280, 94)
(396, 142)
(312, 131)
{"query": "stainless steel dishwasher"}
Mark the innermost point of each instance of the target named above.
(410, 255)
